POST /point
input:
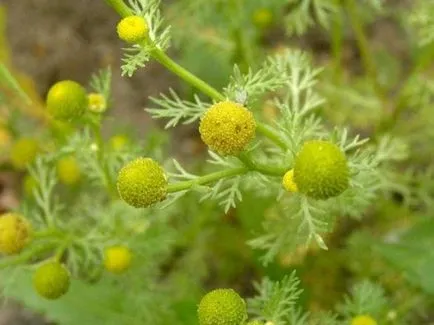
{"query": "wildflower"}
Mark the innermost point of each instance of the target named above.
(222, 306)
(96, 102)
(288, 181)
(23, 152)
(321, 170)
(118, 142)
(363, 320)
(117, 259)
(227, 128)
(142, 182)
(68, 170)
(51, 280)
(67, 100)
(133, 29)
(15, 233)
(262, 18)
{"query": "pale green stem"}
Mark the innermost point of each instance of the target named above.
(264, 169)
(210, 178)
(120, 7)
(25, 256)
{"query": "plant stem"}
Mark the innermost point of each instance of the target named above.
(120, 7)
(25, 256)
(186, 75)
(273, 136)
(264, 169)
(185, 185)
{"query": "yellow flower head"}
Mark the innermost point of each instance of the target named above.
(15, 233)
(118, 142)
(96, 102)
(363, 320)
(321, 170)
(51, 280)
(227, 128)
(23, 152)
(222, 306)
(142, 182)
(262, 18)
(66, 100)
(133, 29)
(288, 181)
(68, 170)
(117, 259)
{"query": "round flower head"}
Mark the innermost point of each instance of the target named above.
(227, 128)
(68, 170)
(321, 170)
(51, 280)
(118, 142)
(133, 29)
(142, 182)
(15, 233)
(288, 181)
(67, 100)
(262, 17)
(222, 307)
(117, 259)
(97, 102)
(23, 152)
(363, 320)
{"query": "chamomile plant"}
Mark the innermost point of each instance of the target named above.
(122, 223)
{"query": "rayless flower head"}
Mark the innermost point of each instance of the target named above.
(227, 128)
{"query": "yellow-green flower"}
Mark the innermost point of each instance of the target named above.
(66, 100)
(262, 18)
(24, 152)
(51, 280)
(68, 170)
(133, 29)
(288, 181)
(97, 102)
(118, 142)
(227, 128)
(142, 182)
(321, 170)
(15, 233)
(363, 320)
(29, 184)
(117, 259)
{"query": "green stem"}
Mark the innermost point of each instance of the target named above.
(270, 134)
(120, 7)
(96, 127)
(186, 75)
(24, 257)
(264, 169)
(185, 185)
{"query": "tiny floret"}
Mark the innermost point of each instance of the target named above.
(97, 102)
(227, 128)
(142, 182)
(222, 307)
(68, 170)
(363, 320)
(51, 280)
(262, 17)
(321, 170)
(288, 181)
(66, 100)
(24, 152)
(117, 259)
(15, 233)
(133, 29)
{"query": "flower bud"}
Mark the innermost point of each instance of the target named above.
(133, 29)
(51, 280)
